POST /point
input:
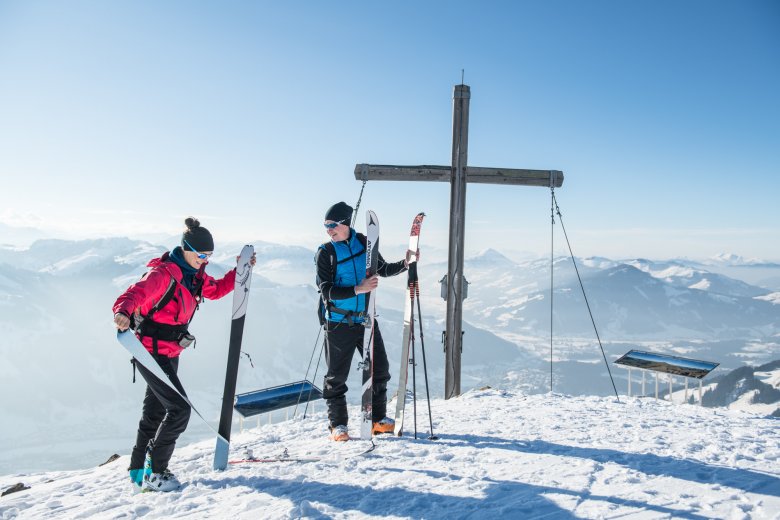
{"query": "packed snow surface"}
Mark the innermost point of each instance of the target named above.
(501, 454)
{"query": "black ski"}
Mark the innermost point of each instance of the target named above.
(240, 300)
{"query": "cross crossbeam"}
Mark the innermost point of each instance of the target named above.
(458, 175)
(474, 174)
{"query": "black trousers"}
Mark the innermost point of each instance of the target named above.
(165, 416)
(342, 342)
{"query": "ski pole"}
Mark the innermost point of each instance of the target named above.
(413, 362)
(425, 367)
(316, 369)
(311, 358)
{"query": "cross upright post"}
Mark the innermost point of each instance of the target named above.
(453, 344)
(458, 175)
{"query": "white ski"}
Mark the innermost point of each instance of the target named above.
(408, 334)
(372, 263)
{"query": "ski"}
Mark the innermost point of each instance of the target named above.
(287, 457)
(274, 459)
(372, 264)
(240, 301)
(408, 333)
(130, 341)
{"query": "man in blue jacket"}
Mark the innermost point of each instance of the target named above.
(341, 279)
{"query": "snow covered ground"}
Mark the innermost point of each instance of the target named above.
(502, 454)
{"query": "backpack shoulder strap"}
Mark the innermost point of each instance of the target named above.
(330, 249)
(197, 283)
(355, 254)
(167, 296)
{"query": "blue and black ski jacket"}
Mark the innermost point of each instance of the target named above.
(340, 267)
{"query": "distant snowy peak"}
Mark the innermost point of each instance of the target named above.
(143, 252)
(730, 259)
(773, 298)
(106, 254)
(681, 275)
(663, 270)
(267, 251)
(626, 275)
(598, 262)
(65, 257)
(727, 258)
(490, 258)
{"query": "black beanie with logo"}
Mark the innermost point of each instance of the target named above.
(339, 212)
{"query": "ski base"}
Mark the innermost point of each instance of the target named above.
(130, 341)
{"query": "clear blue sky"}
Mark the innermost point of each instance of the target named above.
(125, 117)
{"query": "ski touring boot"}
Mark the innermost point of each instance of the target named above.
(386, 425)
(164, 482)
(339, 433)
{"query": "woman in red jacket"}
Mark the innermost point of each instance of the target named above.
(159, 308)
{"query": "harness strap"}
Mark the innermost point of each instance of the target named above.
(161, 331)
(146, 326)
(349, 315)
(355, 255)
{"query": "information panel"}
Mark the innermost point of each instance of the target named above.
(668, 364)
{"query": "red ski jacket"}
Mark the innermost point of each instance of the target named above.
(144, 294)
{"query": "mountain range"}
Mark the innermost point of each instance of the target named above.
(63, 371)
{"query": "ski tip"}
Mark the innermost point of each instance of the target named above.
(221, 452)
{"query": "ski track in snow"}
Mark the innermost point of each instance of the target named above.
(501, 455)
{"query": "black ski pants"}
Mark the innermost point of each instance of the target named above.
(342, 342)
(165, 416)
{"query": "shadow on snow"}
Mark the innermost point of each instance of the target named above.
(498, 497)
(647, 463)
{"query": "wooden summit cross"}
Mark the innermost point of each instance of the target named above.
(457, 175)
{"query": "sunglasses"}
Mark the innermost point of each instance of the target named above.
(332, 225)
(201, 256)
